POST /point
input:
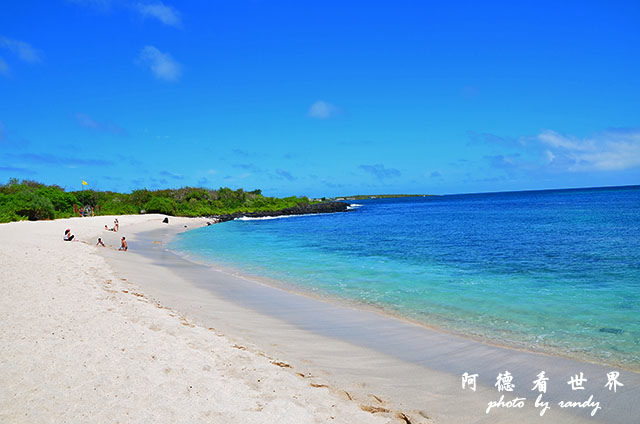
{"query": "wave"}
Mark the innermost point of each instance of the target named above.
(251, 218)
(353, 206)
(260, 218)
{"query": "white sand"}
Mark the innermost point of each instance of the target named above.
(88, 336)
(78, 344)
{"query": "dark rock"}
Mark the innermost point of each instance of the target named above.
(611, 330)
(165, 220)
(326, 207)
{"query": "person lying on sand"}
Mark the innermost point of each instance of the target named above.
(100, 242)
(108, 229)
(123, 244)
(67, 235)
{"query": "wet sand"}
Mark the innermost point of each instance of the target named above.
(380, 362)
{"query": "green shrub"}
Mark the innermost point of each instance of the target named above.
(162, 205)
(33, 200)
(34, 206)
(61, 201)
(140, 197)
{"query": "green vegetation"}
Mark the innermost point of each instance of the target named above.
(22, 200)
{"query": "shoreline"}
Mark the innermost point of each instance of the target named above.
(82, 343)
(432, 366)
(390, 313)
(361, 361)
(302, 209)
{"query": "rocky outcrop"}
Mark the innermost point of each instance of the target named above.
(325, 207)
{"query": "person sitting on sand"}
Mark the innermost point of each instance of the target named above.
(123, 244)
(116, 225)
(67, 235)
(100, 242)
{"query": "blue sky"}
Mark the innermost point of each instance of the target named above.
(321, 98)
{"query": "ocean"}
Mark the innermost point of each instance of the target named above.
(556, 271)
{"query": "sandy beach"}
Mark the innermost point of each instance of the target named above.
(93, 334)
(81, 344)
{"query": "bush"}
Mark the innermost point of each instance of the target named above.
(33, 200)
(140, 197)
(33, 206)
(162, 205)
(61, 201)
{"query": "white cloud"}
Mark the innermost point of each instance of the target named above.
(24, 50)
(162, 65)
(380, 171)
(285, 174)
(322, 110)
(554, 139)
(86, 121)
(550, 155)
(165, 14)
(612, 150)
(4, 68)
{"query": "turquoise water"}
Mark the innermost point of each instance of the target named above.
(557, 271)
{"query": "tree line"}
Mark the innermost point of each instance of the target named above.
(31, 200)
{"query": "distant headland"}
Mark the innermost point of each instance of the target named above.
(378, 196)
